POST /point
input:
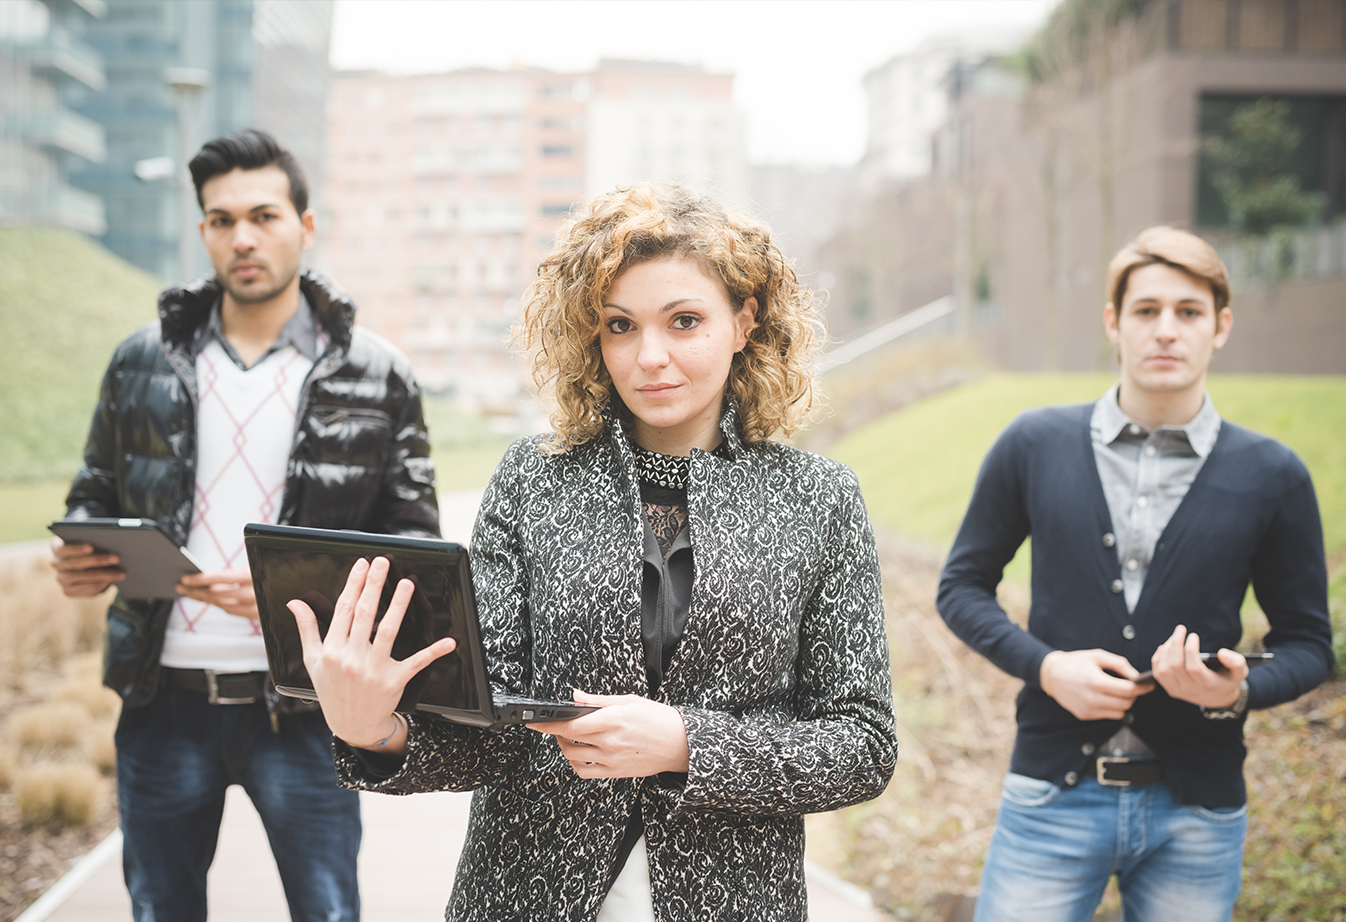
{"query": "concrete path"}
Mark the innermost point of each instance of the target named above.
(407, 861)
(407, 857)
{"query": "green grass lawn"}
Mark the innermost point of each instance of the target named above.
(467, 468)
(917, 466)
(28, 507)
(65, 303)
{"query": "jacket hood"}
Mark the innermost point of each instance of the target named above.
(183, 308)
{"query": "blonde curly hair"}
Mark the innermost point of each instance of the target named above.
(771, 380)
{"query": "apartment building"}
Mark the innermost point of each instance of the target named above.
(445, 191)
(46, 71)
(442, 191)
(659, 120)
(265, 64)
(907, 99)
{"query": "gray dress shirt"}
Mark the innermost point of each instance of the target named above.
(1145, 475)
(300, 331)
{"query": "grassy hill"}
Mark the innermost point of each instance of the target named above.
(64, 304)
(917, 465)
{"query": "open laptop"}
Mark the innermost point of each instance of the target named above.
(312, 564)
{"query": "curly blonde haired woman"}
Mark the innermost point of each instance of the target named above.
(715, 592)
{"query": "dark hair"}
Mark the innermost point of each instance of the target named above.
(248, 149)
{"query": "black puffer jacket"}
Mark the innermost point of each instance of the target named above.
(360, 457)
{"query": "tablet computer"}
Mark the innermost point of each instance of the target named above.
(152, 561)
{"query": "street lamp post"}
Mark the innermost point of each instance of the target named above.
(187, 83)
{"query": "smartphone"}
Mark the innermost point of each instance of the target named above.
(1211, 663)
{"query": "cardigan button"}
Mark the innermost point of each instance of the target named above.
(1072, 779)
(1116, 585)
(1129, 719)
(1129, 632)
(1087, 749)
(1109, 539)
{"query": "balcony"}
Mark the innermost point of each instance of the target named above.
(1287, 256)
(60, 53)
(76, 209)
(60, 129)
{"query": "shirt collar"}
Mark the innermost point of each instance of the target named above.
(300, 331)
(1108, 421)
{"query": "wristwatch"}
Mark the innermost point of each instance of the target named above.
(1234, 710)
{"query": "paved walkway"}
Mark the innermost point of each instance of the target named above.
(407, 862)
(407, 857)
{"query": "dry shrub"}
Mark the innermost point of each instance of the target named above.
(47, 726)
(58, 794)
(9, 765)
(89, 695)
(100, 747)
(39, 627)
(85, 667)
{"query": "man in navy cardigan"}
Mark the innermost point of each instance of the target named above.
(1149, 516)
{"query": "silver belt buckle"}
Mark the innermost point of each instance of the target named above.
(213, 690)
(1104, 761)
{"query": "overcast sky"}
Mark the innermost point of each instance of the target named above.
(798, 63)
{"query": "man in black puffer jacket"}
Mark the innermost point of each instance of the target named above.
(253, 398)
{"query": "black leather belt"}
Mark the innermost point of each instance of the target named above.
(220, 687)
(1119, 771)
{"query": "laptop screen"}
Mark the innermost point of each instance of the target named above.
(312, 565)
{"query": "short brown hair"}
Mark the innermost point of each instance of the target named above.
(1169, 246)
(771, 379)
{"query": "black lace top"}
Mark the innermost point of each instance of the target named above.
(666, 589)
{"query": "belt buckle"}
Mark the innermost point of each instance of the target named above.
(213, 690)
(1101, 766)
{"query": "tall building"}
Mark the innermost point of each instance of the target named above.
(261, 58)
(445, 190)
(291, 79)
(907, 99)
(46, 72)
(657, 120)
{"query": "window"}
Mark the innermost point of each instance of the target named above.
(1270, 161)
(552, 211)
(558, 150)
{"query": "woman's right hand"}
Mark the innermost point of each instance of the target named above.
(357, 680)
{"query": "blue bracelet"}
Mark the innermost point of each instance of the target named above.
(397, 725)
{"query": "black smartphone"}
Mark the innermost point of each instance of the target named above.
(1211, 663)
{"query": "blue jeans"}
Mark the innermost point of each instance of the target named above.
(175, 758)
(1055, 848)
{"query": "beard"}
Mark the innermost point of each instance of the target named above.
(258, 291)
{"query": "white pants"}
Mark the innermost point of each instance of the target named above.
(630, 899)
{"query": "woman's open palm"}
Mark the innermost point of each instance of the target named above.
(357, 680)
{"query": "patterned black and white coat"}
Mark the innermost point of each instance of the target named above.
(782, 679)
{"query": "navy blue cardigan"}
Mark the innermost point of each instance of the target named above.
(1251, 514)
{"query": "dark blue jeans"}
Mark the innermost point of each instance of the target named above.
(175, 758)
